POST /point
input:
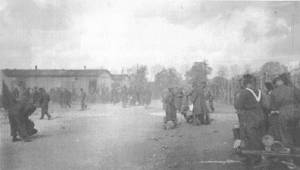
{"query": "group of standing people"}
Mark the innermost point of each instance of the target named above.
(37, 96)
(179, 100)
(131, 96)
(62, 96)
(275, 112)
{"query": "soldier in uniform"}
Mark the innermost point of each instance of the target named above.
(44, 103)
(249, 105)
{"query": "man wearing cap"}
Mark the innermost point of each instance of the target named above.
(250, 107)
(284, 101)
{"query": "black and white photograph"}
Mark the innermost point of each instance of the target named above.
(149, 85)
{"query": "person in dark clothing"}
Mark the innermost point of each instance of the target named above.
(249, 106)
(67, 97)
(170, 108)
(16, 93)
(44, 102)
(285, 112)
(18, 113)
(200, 110)
(36, 96)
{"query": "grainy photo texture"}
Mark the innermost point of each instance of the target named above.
(149, 85)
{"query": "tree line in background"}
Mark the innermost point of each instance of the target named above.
(223, 85)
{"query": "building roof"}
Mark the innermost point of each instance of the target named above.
(54, 73)
(119, 77)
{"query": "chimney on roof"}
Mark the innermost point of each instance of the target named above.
(35, 67)
(84, 67)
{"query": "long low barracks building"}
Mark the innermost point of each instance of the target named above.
(88, 79)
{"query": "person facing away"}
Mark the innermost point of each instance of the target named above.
(83, 99)
(249, 105)
(44, 103)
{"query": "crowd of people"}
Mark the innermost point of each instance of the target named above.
(179, 100)
(21, 102)
(273, 112)
(131, 96)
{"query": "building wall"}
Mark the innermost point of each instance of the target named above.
(105, 80)
(65, 82)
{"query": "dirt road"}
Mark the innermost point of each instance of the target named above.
(113, 138)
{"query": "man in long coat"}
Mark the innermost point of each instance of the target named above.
(200, 110)
(285, 113)
(249, 105)
(18, 115)
(44, 102)
(170, 107)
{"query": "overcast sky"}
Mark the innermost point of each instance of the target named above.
(115, 33)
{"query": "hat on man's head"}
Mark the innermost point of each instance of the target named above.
(269, 86)
(248, 78)
(276, 79)
(286, 78)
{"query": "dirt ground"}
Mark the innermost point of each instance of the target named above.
(109, 137)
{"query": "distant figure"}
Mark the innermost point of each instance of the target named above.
(83, 99)
(185, 107)
(16, 93)
(36, 96)
(148, 97)
(170, 107)
(67, 98)
(200, 110)
(124, 96)
(178, 98)
(44, 103)
(210, 99)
